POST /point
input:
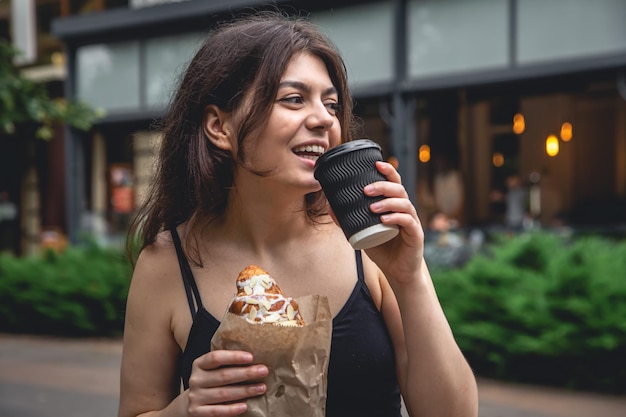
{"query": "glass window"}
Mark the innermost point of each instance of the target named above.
(166, 59)
(447, 36)
(549, 30)
(364, 35)
(108, 75)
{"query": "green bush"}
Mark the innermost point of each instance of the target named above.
(78, 292)
(541, 309)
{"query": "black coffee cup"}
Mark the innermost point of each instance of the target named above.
(343, 172)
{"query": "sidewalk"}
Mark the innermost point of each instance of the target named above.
(48, 377)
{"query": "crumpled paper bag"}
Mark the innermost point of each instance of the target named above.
(297, 358)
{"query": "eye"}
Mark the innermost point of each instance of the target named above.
(333, 107)
(295, 99)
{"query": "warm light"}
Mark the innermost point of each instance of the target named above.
(497, 159)
(57, 59)
(566, 131)
(552, 145)
(519, 124)
(424, 153)
(393, 161)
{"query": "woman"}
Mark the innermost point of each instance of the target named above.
(262, 99)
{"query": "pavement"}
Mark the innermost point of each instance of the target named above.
(52, 377)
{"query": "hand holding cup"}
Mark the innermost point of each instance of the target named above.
(343, 172)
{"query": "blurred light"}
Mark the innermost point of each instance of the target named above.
(57, 59)
(566, 131)
(497, 159)
(519, 124)
(424, 153)
(552, 145)
(393, 161)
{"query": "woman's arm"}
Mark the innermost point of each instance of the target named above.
(434, 377)
(149, 380)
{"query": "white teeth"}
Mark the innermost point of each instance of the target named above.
(317, 149)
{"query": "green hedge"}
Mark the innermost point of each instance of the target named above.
(78, 292)
(541, 309)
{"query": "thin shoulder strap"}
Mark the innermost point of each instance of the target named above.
(188, 279)
(359, 266)
(360, 273)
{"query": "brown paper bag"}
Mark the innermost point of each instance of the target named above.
(297, 358)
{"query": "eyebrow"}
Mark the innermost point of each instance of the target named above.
(305, 87)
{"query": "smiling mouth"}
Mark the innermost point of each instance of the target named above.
(312, 152)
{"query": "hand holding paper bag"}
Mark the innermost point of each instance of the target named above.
(296, 354)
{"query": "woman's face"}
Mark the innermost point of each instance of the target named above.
(302, 125)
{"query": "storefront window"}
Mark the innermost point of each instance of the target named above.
(550, 30)
(166, 59)
(108, 75)
(364, 34)
(447, 36)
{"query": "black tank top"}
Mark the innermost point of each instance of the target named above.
(361, 372)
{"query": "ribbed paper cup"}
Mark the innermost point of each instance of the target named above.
(343, 172)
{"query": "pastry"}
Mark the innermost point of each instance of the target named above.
(260, 300)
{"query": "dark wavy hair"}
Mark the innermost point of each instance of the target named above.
(241, 58)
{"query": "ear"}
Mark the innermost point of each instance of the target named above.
(218, 127)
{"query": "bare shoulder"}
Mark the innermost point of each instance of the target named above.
(157, 259)
(156, 274)
(156, 294)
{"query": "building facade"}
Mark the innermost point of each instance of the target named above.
(32, 181)
(465, 95)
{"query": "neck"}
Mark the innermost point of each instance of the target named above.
(265, 220)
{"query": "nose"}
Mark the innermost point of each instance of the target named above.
(320, 117)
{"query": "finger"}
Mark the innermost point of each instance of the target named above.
(387, 189)
(224, 395)
(222, 367)
(219, 358)
(224, 410)
(227, 375)
(400, 212)
(408, 224)
(394, 205)
(389, 171)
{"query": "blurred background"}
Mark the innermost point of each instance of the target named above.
(505, 118)
(480, 103)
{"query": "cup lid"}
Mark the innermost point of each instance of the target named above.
(346, 147)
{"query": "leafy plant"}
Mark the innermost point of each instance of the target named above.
(79, 292)
(22, 100)
(538, 308)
